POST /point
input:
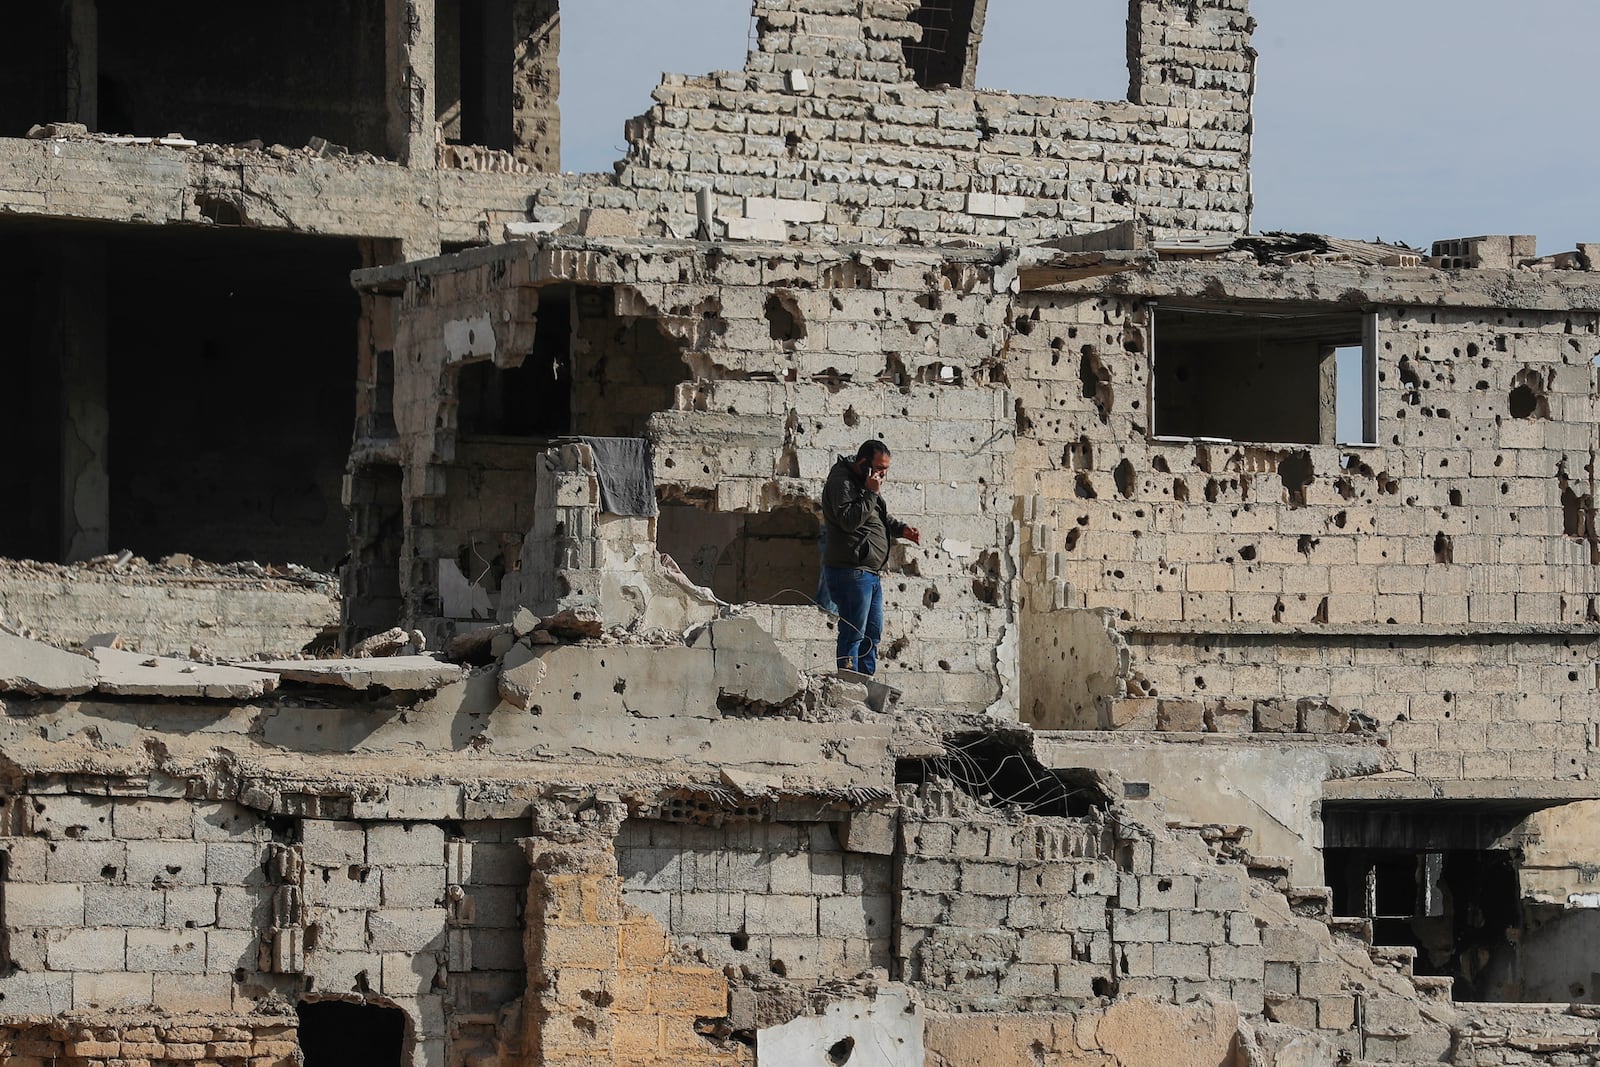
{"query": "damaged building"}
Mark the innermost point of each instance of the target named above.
(1238, 707)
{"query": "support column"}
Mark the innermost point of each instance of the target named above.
(536, 84)
(83, 62)
(78, 343)
(410, 78)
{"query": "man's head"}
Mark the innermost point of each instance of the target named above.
(872, 456)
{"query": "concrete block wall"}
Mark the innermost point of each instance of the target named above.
(1485, 707)
(1462, 534)
(877, 159)
(134, 904)
(128, 903)
(1052, 911)
(784, 898)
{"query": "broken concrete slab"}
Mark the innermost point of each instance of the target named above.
(747, 662)
(133, 674)
(413, 673)
(39, 669)
(627, 680)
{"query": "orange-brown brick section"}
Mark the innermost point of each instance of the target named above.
(604, 988)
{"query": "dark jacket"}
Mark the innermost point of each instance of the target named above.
(858, 524)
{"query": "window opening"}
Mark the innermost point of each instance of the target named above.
(334, 1033)
(1267, 376)
(947, 52)
(1023, 47)
(533, 399)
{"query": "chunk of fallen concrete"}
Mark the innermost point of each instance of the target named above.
(573, 624)
(134, 675)
(411, 673)
(520, 674)
(38, 669)
(747, 662)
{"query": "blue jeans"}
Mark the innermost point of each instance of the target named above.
(859, 595)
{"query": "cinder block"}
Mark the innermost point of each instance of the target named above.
(87, 861)
(68, 816)
(242, 864)
(413, 887)
(36, 994)
(120, 905)
(989, 879)
(139, 819)
(404, 844)
(781, 914)
(114, 991)
(1182, 961)
(86, 949)
(329, 843)
(407, 975)
(167, 950)
(413, 930)
(228, 950)
(1234, 962)
(708, 913)
(1198, 928)
(1139, 925)
(44, 905)
(158, 862)
(193, 993)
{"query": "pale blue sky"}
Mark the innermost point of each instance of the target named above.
(1410, 120)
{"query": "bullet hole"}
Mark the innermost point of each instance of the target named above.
(1443, 548)
(1340, 518)
(1528, 399)
(1070, 542)
(1455, 498)
(930, 598)
(1180, 490)
(1297, 472)
(739, 942)
(1472, 350)
(784, 322)
(1095, 380)
(620, 687)
(1024, 423)
(1247, 553)
(840, 1051)
(894, 373)
(986, 578)
(1083, 488)
(896, 648)
(1124, 478)
(779, 968)
(1079, 454)
(108, 872)
(944, 665)
(1213, 490)
(1056, 345)
(1321, 614)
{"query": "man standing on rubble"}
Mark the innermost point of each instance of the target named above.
(858, 532)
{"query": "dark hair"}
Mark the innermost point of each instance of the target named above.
(871, 450)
